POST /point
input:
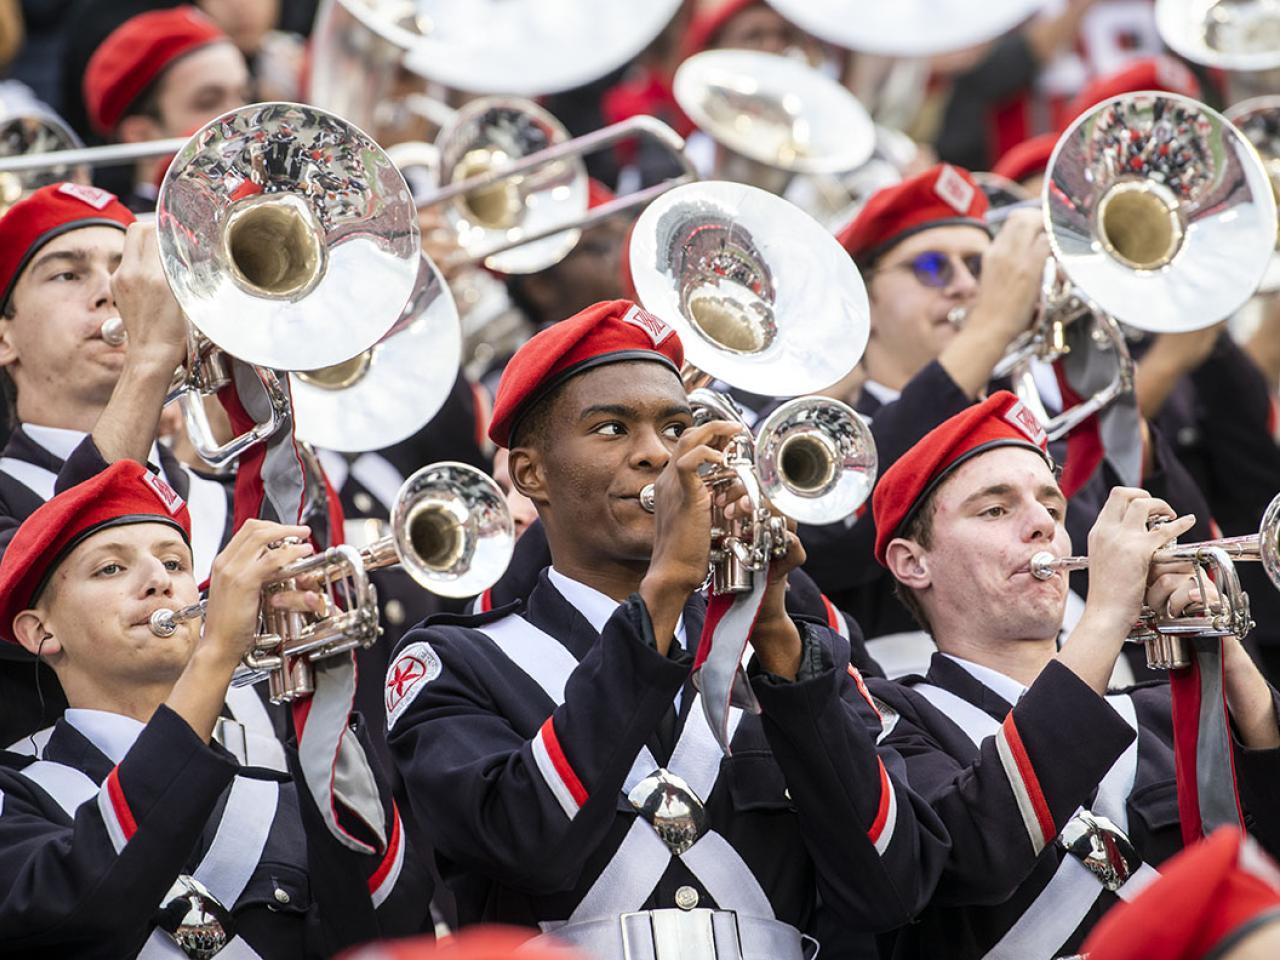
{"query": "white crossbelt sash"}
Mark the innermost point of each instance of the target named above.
(642, 858)
(225, 868)
(1067, 899)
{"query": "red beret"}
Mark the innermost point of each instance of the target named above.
(602, 333)
(126, 492)
(50, 212)
(133, 55)
(1207, 899)
(598, 194)
(1027, 159)
(938, 197)
(999, 421)
(708, 23)
(486, 942)
(1161, 73)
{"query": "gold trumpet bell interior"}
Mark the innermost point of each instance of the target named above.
(275, 246)
(495, 207)
(807, 462)
(339, 376)
(437, 536)
(726, 292)
(1139, 224)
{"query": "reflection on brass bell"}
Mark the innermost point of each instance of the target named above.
(1102, 847)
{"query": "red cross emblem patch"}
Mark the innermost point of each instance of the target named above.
(415, 667)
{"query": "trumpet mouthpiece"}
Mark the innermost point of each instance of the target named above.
(648, 499)
(162, 623)
(113, 331)
(1043, 565)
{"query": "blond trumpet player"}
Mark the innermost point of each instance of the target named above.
(137, 832)
(74, 263)
(1060, 796)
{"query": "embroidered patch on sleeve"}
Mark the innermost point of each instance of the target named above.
(415, 667)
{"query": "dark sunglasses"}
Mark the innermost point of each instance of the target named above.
(937, 270)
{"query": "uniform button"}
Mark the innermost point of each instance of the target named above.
(686, 898)
(394, 612)
(786, 792)
(281, 896)
(363, 502)
(1188, 436)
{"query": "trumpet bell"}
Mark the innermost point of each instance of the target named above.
(27, 126)
(453, 532)
(1236, 35)
(392, 390)
(1160, 209)
(278, 217)
(1259, 119)
(762, 296)
(526, 47)
(490, 134)
(816, 459)
(905, 28)
(775, 111)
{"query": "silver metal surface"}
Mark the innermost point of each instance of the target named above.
(905, 28)
(1236, 35)
(113, 154)
(762, 296)
(490, 134)
(29, 128)
(776, 111)
(392, 390)
(289, 237)
(451, 531)
(1258, 118)
(1102, 847)
(1161, 210)
(675, 812)
(527, 47)
(816, 459)
(198, 924)
(686, 898)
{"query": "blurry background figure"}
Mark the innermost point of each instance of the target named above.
(474, 943)
(11, 32)
(1219, 899)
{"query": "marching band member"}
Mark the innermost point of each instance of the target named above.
(66, 265)
(163, 73)
(538, 747)
(136, 832)
(1007, 736)
(924, 248)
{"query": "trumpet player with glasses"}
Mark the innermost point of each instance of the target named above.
(136, 833)
(1061, 795)
(562, 764)
(947, 302)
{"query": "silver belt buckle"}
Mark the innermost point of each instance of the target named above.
(194, 919)
(671, 807)
(1102, 847)
(699, 934)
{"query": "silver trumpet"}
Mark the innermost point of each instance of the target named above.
(451, 531)
(765, 300)
(273, 220)
(1164, 636)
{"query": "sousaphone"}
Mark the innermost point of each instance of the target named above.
(1259, 120)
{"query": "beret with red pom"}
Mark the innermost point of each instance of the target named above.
(1027, 159)
(1208, 898)
(607, 332)
(134, 54)
(1161, 73)
(124, 493)
(939, 197)
(999, 421)
(708, 23)
(48, 213)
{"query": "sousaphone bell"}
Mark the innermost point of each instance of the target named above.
(1259, 119)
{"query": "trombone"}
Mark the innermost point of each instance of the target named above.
(451, 532)
(1164, 636)
(736, 271)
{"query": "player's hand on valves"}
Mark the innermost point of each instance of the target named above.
(1012, 275)
(254, 557)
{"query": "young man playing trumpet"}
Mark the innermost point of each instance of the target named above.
(1058, 796)
(558, 755)
(71, 258)
(136, 834)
